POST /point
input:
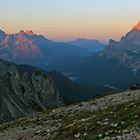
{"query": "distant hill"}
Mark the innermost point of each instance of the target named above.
(91, 45)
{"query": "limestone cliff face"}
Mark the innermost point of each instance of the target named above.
(127, 50)
(22, 94)
(18, 46)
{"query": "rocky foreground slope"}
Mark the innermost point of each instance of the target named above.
(114, 117)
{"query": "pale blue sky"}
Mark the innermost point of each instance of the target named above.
(67, 19)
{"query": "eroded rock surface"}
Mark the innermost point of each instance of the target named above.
(22, 94)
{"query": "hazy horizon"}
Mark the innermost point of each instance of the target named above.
(64, 20)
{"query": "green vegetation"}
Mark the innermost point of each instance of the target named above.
(84, 124)
(111, 121)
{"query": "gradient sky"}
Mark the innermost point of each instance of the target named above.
(68, 19)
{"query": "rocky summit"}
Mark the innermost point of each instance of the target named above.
(113, 117)
(23, 93)
(13, 46)
(127, 50)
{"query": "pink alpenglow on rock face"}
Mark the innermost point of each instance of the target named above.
(18, 46)
(137, 27)
(30, 32)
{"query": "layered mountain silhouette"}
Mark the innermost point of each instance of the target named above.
(117, 59)
(70, 91)
(30, 48)
(118, 65)
(26, 89)
(91, 45)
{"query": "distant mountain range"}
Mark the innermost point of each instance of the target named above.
(37, 50)
(27, 89)
(90, 44)
(118, 65)
(30, 48)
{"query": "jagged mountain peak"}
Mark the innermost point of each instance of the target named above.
(30, 32)
(2, 34)
(1, 31)
(127, 50)
(21, 32)
(137, 26)
(111, 41)
(19, 45)
(26, 46)
(130, 41)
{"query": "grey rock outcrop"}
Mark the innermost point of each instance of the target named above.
(25, 93)
(126, 51)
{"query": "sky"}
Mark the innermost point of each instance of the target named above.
(69, 19)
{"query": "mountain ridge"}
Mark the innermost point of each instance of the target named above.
(137, 27)
(127, 50)
(118, 59)
(92, 45)
(25, 47)
(25, 93)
